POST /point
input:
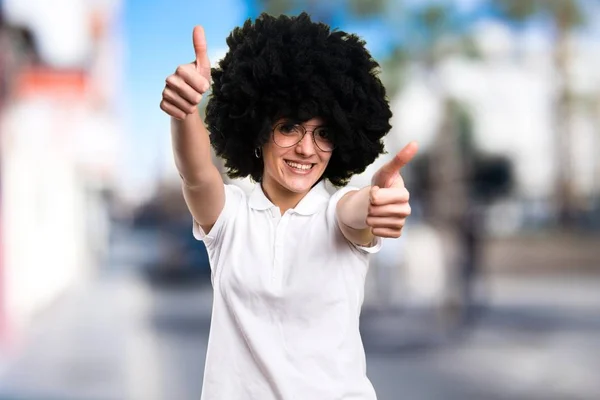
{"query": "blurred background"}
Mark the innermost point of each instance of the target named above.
(493, 291)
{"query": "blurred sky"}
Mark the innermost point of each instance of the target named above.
(158, 37)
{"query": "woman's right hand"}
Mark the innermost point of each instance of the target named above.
(184, 89)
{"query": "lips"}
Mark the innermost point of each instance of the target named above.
(299, 166)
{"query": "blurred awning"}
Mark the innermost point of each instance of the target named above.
(48, 82)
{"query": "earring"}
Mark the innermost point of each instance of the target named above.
(257, 152)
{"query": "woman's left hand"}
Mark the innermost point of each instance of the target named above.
(389, 207)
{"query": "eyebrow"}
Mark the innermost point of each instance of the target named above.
(294, 121)
(316, 126)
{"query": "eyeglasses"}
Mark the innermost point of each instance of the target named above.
(288, 134)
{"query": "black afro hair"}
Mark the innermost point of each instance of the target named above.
(295, 68)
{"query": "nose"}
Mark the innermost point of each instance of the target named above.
(306, 146)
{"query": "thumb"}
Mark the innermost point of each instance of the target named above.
(402, 158)
(372, 192)
(199, 40)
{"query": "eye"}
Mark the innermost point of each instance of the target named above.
(287, 128)
(324, 133)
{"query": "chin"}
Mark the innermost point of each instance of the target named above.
(300, 184)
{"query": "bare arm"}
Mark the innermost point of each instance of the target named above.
(201, 181)
(202, 184)
(352, 212)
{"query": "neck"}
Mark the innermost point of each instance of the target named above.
(280, 196)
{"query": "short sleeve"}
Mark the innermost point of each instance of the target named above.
(374, 248)
(233, 197)
(377, 241)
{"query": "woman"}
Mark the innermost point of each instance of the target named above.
(293, 104)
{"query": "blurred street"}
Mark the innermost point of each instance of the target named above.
(120, 337)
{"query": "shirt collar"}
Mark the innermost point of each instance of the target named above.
(309, 204)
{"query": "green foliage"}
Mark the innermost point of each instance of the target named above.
(277, 7)
(517, 10)
(367, 8)
(393, 70)
(565, 14)
(434, 17)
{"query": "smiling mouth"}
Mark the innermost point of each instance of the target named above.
(299, 166)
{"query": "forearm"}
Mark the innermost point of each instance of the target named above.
(191, 148)
(352, 211)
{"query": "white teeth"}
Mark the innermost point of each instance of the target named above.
(299, 166)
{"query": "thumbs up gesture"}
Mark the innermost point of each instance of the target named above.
(184, 89)
(388, 197)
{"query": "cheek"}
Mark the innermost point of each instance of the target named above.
(325, 160)
(272, 159)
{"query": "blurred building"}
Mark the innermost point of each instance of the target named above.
(60, 136)
(509, 92)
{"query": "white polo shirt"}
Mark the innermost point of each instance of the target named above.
(288, 290)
